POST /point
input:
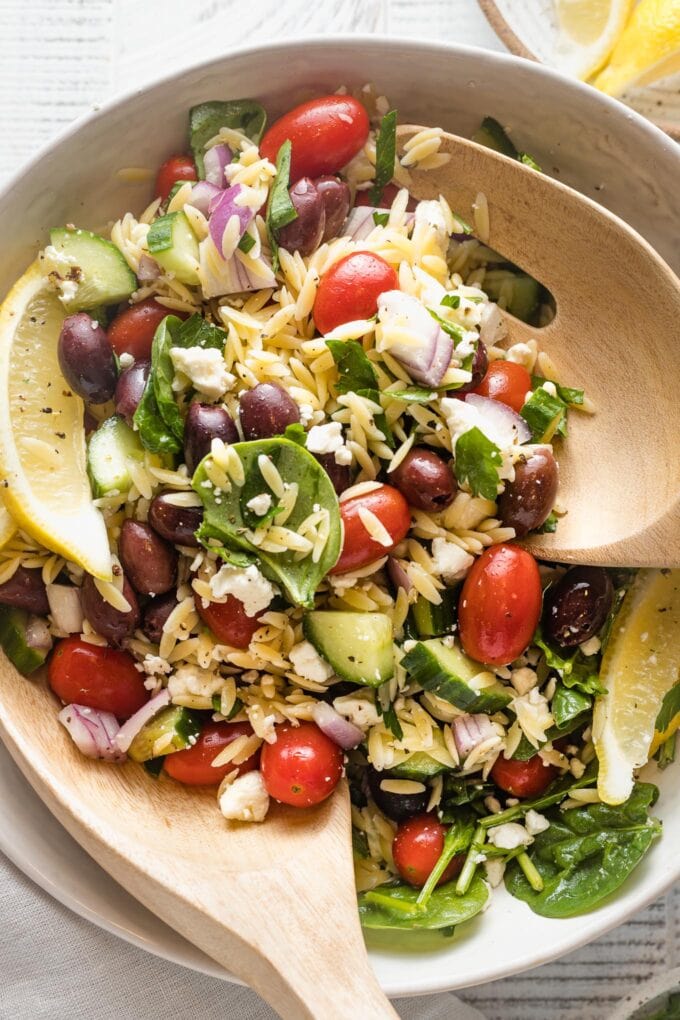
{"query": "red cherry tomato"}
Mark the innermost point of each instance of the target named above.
(523, 778)
(358, 548)
(417, 847)
(500, 604)
(390, 192)
(506, 382)
(132, 330)
(303, 767)
(351, 288)
(228, 621)
(324, 134)
(99, 677)
(177, 168)
(193, 767)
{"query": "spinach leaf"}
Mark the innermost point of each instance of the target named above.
(280, 209)
(414, 395)
(459, 790)
(360, 844)
(586, 854)
(246, 243)
(296, 433)
(670, 706)
(556, 792)
(162, 373)
(528, 160)
(393, 906)
(575, 670)
(568, 704)
(385, 153)
(153, 431)
(206, 119)
(355, 370)
(227, 518)
(477, 460)
(665, 754)
(524, 750)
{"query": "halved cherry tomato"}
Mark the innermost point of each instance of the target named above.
(358, 548)
(351, 288)
(417, 847)
(303, 767)
(177, 168)
(99, 677)
(500, 605)
(390, 192)
(324, 134)
(523, 778)
(193, 767)
(132, 330)
(506, 382)
(228, 621)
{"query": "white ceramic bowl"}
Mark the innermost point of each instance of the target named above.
(589, 141)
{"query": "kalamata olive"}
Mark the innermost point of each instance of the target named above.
(397, 806)
(204, 423)
(426, 481)
(148, 561)
(339, 474)
(266, 410)
(130, 387)
(86, 358)
(25, 590)
(336, 198)
(529, 498)
(480, 363)
(103, 618)
(576, 607)
(304, 233)
(176, 524)
(156, 613)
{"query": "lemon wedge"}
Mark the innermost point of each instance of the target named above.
(641, 663)
(42, 439)
(589, 30)
(649, 48)
(660, 737)
(7, 525)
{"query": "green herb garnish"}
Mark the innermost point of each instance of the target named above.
(385, 154)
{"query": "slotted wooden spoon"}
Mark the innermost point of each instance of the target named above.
(615, 334)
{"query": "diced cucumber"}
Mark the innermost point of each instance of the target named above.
(357, 645)
(524, 293)
(174, 246)
(99, 272)
(419, 766)
(109, 452)
(447, 672)
(491, 134)
(14, 625)
(433, 621)
(179, 723)
(206, 119)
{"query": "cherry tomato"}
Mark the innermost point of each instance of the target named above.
(506, 382)
(324, 134)
(500, 605)
(193, 767)
(228, 621)
(523, 778)
(177, 168)
(132, 330)
(390, 192)
(358, 548)
(303, 767)
(99, 677)
(351, 288)
(417, 847)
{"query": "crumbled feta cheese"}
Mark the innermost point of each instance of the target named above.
(155, 665)
(533, 715)
(591, 646)
(535, 822)
(343, 456)
(509, 836)
(306, 414)
(523, 679)
(449, 560)
(358, 709)
(205, 368)
(260, 504)
(246, 799)
(495, 869)
(550, 388)
(246, 584)
(325, 438)
(521, 354)
(308, 663)
(126, 359)
(192, 681)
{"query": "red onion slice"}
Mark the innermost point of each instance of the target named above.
(129, 730)
(92, 732)
(427, 359)
(344, 733)
(215, 160)
(505, 425)
(148, 269)
(398, 575)
(469, 731)
(202, 194)
(65, 607)
(221, 210)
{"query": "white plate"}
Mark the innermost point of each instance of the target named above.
(574, 132)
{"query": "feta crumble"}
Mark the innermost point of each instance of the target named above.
(246, 799)
(535, 822)
(329, 439)
(358, 709)
(192, 681)
(449, 560)
(260, 504)
(246, 584)
(308, 664)
(205, 368)
(509, 836)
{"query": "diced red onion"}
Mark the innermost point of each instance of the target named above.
(129, 730)
(148, 269)
(427, 360)
(398, 575)
(507, 426)
(37, 634)
(344, 733)
(469, 731)
(92, 732)
(221, 209)
(215, 161)
(202, 194)
(463, 237)
(65, 607)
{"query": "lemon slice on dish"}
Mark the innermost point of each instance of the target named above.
(649, 48)
(42, 438)
(641, 663)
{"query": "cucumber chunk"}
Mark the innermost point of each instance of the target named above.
(447, 672)
(98, 273)
(419, 766)
(523, 292)
(433, 621)
(357, 645)
(178, 723)
(109, 452)
(15, 640)
(174, 246)
(206, 119)
(491, 134)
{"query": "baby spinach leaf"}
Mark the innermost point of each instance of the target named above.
(456, 841)
(385, 153)
(586, 854)
(568, 704)
(354, 369)
(227, 518)
(528, 160)
(670, 706)
(393, 906)
(162, 373)
(206, 119)
(459, 790)
(154, 434)
(280, 209)
(477, 460)
(456, 332)
(296, 433)
(575, 670)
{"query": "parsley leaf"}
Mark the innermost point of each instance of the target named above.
(545, 415)
(380, 218)
(455, 331)
(280, 209)
(356, 371)
(477, 460)
(390, 718)
(451, 301)
(385, 153)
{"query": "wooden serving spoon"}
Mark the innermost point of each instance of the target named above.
(615, 335)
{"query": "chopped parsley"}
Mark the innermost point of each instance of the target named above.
(477, 462)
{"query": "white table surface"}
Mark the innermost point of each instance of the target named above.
(57, 59)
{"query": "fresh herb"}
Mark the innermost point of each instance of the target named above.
(456, 841)
(390, 719)
(459, 790)
(665, 755)
(280, 209)
(394, 906)
(296, 433)
(549, 525)
(477, 460)
(206, 119)
(414, 395)
(380, 218)
(354, 369)
(453, 330)
(198, 332)
(670, 706)
(246, 243)
(575, 669)
(162, 374)
(528, 160)
(586, 853)
(385, 154)
(568, 704)
(545, 415)
(450, 301)
(360, 844)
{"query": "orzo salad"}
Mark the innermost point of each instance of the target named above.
(266, 449)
